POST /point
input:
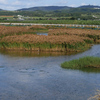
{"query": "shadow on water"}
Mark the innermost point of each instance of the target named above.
(1, 67)
(86, 70)
(91, 70)
(34, 53)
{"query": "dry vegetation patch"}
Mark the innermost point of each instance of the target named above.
(13, 30)
(30, 38)
(71, 31)
(57, 38)
(18, 30)
(36, 27)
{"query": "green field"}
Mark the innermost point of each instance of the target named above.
(82, 22)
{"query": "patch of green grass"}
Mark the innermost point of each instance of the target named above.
(83, 22)
(86, 62)
(89, 41)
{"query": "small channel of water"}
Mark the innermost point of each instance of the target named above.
(42, 34)
(24, 76)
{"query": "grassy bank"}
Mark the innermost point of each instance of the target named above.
(86, 62)
(77, 47)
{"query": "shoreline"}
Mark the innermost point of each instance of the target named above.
(64, 50)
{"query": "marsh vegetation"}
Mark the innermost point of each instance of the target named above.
(59, 39)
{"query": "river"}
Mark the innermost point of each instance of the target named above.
(27, 76)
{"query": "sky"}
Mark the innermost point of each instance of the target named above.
(18, 4)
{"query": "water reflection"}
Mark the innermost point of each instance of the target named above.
(34, 53)
(91, 70)
(86, 70)
(42, 34)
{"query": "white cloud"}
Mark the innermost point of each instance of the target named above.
(83, 4)
(3, 1)
(30, 4)
(22, 4)
(16, 3)
(73, 5)
(95, 4)
(62, 3)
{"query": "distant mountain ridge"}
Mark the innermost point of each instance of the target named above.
(45, 8)
(53, 8)
(0, 9)
(89, 6)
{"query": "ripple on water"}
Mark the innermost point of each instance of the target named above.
(1, 67)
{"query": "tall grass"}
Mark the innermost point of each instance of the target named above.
(43, 46)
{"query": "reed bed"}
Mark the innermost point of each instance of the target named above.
(18, 30)
(34, 27)
(94, 34)
(73, 31)
(30, 41)
(57, 39)
(30, 38)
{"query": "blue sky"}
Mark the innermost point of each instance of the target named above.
(18, 4)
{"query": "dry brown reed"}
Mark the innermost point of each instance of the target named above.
(30, 38)
(36, 27)
(12, 30)
(16, 30)
(60, 38)
(71, 31)
(96, 97)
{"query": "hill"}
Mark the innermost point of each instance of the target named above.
(85, 12)
(86, 8)
(89, 6)
(1, 10)
(45, 8)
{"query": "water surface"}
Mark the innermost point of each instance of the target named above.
(42, 34)
(27, 77)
